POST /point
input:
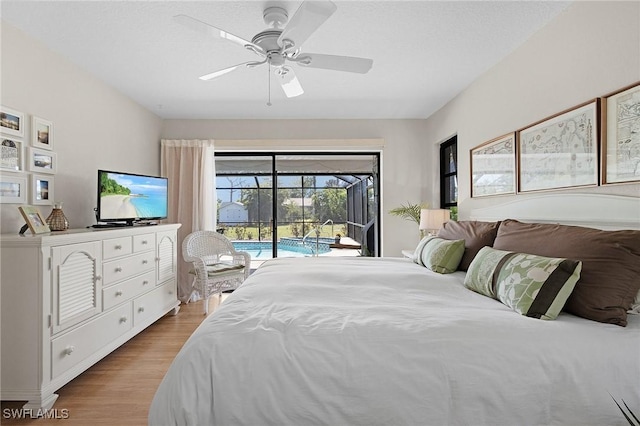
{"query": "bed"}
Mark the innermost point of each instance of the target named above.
(388, 341)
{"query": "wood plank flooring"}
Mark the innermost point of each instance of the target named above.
(118, 390)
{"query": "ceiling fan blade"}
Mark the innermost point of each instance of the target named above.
(289, 82)
(208, 29)
(334, 62)
(227, 70)
(308, 18)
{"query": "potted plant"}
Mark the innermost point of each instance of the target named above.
(409, 211)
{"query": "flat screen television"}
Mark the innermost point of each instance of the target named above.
(127, 198)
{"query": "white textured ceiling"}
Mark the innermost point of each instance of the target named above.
(424, 53)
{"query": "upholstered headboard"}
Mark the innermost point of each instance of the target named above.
(593, 210)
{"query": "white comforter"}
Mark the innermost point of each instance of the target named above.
(365, 341)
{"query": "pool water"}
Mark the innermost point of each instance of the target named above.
(286, 248)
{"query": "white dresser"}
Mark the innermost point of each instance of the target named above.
(70, 298)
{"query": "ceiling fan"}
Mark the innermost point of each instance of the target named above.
(279, 45)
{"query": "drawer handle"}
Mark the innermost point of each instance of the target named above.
(69, 349)
(123, 319)
(118, 293)
(158, 259)
(145, 261)
(118, 269)
(144, 242)
(118, 247)
(98, 277)
(141, 309)
(170, 291)
(145, 282)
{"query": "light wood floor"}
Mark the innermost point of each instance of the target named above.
(118, 390)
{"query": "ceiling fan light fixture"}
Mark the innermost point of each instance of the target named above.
(281, 43)
(289, 82)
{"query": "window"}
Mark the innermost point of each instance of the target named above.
(449, 173)
(334, 193)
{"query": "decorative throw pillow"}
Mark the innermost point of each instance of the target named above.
(418, 251)
(475, 234)
(531, 285)
(439, 255)
(610, 260)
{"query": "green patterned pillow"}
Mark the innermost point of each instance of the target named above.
(439, 255)
(531, 285)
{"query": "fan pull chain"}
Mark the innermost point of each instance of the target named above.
(269, 83)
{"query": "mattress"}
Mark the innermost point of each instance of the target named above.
(384, 341)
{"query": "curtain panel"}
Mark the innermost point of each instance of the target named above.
(190, 167)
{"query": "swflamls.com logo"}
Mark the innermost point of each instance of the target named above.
(29, 413)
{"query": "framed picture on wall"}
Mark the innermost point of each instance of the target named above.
(13, 189)
(41, 133)
(11, 154)
(42, 189)
(11, 121)
(493, 167)
(621, 136)
(560, 151)
(42, 161)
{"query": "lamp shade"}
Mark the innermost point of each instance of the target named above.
(432, 219)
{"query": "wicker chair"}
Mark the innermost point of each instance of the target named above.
(217, 266)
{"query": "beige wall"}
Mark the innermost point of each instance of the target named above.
(404, 174)
(94, 125)
(589, 50)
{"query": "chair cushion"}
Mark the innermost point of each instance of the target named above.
(220, 268)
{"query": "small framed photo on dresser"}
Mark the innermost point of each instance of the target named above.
(34, 219)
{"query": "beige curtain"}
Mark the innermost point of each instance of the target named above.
(190, 167)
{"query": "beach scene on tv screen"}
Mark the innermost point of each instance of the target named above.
(127, 196)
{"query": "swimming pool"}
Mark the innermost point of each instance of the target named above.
(287, 247)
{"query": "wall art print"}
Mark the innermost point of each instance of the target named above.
(560, 151)
(493, 167)
(13, 189)
(11, 154)
(621, 139)
(41, 133)
(11, 121)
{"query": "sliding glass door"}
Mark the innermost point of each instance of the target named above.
(310, 204)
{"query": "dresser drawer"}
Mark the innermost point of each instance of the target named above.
(116, 247)
(153, 302)
(126, 290)
(144, 242)
(120, 269)
(73, 347)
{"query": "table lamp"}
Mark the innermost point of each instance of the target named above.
(431, 220)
